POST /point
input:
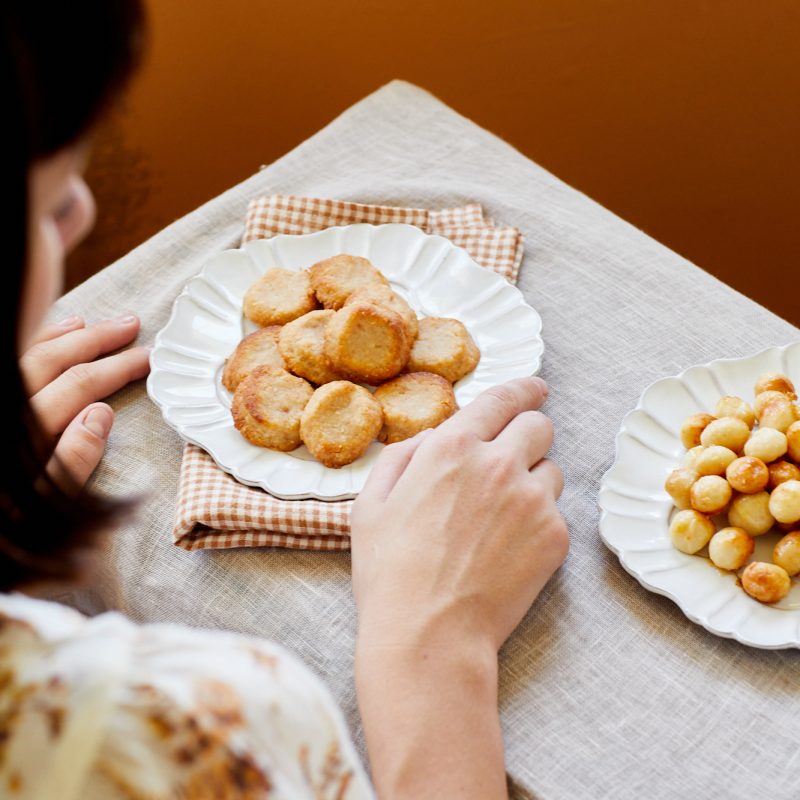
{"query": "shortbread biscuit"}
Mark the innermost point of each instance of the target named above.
(367, 343)
(445, 347)
(413, 402)
(302, 345)
(339, 422)
(380, 295)
(267, 406)
(257, 349)
(278, 297)
(336, 278)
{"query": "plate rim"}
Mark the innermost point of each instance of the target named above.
(605, 513)
(158, 341)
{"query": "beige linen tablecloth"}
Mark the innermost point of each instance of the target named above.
(607, 690)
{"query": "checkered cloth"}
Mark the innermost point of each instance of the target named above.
(216, 511)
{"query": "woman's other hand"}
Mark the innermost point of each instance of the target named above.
(67, 370)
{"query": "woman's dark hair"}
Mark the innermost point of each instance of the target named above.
(61, 66)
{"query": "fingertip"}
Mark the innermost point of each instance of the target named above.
(98, 419)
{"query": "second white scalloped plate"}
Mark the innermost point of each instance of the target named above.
(635, 509)
(436, 277)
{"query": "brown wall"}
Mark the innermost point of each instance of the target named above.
(683, 116)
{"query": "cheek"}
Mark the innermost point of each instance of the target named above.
(44, 277)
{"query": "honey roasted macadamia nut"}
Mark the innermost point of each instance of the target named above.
(278, 297)
(747, 475)
(714, 460)
(710, 494)
(731, 406)
(690, 459)
(793, 441)
(782, 471)
(692, 429)
(786, 553)
(784, 502)
(778, 414)
(775, 382)
(766, 583)
(767, 444)
(678, 486)
(730, 548)
(751, 512)
(690, 531)
(730, 432)
(763, 399)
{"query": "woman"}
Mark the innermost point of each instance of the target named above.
(454, 534)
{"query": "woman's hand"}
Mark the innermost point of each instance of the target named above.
(66, 371)
(457, 530)
(453, 537)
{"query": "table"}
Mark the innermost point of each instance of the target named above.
(607, 690)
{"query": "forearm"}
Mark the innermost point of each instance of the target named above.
(431, 721)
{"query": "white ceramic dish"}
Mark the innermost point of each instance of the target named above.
(636, 509)
(436, 277)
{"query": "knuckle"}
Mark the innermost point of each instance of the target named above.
(37, 353)
(504, 398)
(81, 375)
(455, 441)
(499, 467)
(558, 534)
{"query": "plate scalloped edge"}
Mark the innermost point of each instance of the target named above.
(326, 486)
(664, 506)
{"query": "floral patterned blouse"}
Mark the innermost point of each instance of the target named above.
(103, 708)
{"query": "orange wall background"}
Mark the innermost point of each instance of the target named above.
(682, 116)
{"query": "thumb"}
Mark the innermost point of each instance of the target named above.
(81, 447)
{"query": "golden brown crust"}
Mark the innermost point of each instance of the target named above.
(413, 402)
(366, 343)
(336, 278)
(258, 349)
(302, 345)
(445, 347)
(339, 422)
(767, 583)
(278, 297)
(380, 295)
(267, 406)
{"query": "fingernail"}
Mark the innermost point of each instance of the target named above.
(125, 319)
(542, 386)
(68, 322)
(98, 421)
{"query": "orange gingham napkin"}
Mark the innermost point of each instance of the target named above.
(216, 511)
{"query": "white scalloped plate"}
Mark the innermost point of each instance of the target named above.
(436, 277)
(636, 509)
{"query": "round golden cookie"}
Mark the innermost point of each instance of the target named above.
(339, 422)
(257, 349)
(267, 406)
(278, 297)
(367, 343)
(336, 278)
(413, 402)
(380, 295)
(445, 347)
(302, 345)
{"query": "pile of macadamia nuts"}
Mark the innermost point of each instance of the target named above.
(743, 461)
